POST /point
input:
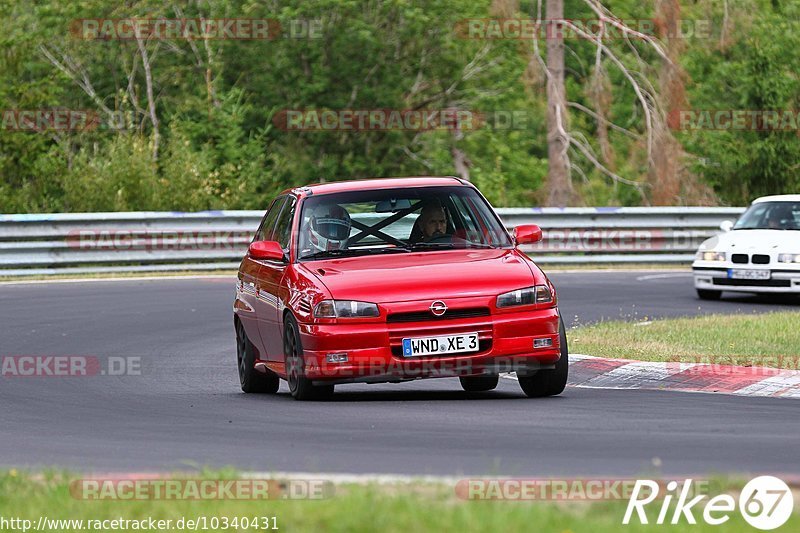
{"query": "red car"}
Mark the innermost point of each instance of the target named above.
(389, 280)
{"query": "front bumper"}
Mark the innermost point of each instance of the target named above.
(374, 350)
(716, 278)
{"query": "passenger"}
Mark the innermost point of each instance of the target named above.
(329, 228)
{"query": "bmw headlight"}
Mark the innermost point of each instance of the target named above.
(788, 258)
(345, 309)
(710, 256)
(540, 294)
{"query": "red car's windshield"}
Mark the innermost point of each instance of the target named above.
(397, 220)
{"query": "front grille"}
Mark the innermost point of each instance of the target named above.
(425, 316)
(740, 259)
(753, 282)
(759, 259)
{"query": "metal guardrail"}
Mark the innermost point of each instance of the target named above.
(211, 240)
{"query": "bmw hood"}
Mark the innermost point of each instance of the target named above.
(755, 240)
(429, 275)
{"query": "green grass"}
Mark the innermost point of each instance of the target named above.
(418, 508)
(769, 339)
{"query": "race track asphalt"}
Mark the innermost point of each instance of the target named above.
(185, 410)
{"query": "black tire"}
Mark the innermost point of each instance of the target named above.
(549, 382)
(706, 294)
(251, 380)
(479, 383)
(300, 387)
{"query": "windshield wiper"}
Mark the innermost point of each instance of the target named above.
(351, 252)
(449, 245)
(760, 227)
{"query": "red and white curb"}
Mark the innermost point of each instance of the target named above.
(601, 373)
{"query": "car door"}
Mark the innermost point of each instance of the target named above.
(269, 290)
(249, 280)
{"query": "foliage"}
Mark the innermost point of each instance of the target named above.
(216, 101)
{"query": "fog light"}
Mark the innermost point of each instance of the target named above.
(542, 343)
(336, 358)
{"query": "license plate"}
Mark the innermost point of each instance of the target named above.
(466, 343)
(737, 273)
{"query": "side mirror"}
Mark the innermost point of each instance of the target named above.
(726, 225)
(269, 250)
(527, 234)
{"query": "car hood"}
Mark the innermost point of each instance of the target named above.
(425, 275)
(755, 240)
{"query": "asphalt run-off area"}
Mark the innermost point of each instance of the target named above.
(183, 407)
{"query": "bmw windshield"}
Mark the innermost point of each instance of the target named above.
(771, 215)
(397, 220)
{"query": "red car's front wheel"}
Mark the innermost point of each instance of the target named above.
(549, 382)
(299, 385)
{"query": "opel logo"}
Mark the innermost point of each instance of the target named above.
(438, 308)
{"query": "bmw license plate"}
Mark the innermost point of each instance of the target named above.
(738, 273)
(465, 343)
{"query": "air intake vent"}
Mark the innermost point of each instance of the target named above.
(760, 259)
(753, 282)
(426, 316)
(740, 259)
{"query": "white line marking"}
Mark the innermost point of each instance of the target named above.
(665, 276)
(602, 270)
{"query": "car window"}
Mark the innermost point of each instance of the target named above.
(265, 232)
(392, 220)
(771, 215)
(283, 229)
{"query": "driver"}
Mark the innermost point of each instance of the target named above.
(329, 228)
(433, 221)
(778, 217)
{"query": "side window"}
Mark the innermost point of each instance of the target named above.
(283, 231)
(467, 216)
(264, 232)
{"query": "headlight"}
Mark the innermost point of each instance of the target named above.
(788, 258)
(540, 294)
(710, 256)
(345, 309)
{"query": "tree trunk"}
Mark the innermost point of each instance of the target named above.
(558, 179)
(664, 174)
(151, 102)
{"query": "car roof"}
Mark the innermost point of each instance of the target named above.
(377, 183)
(778, 198)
